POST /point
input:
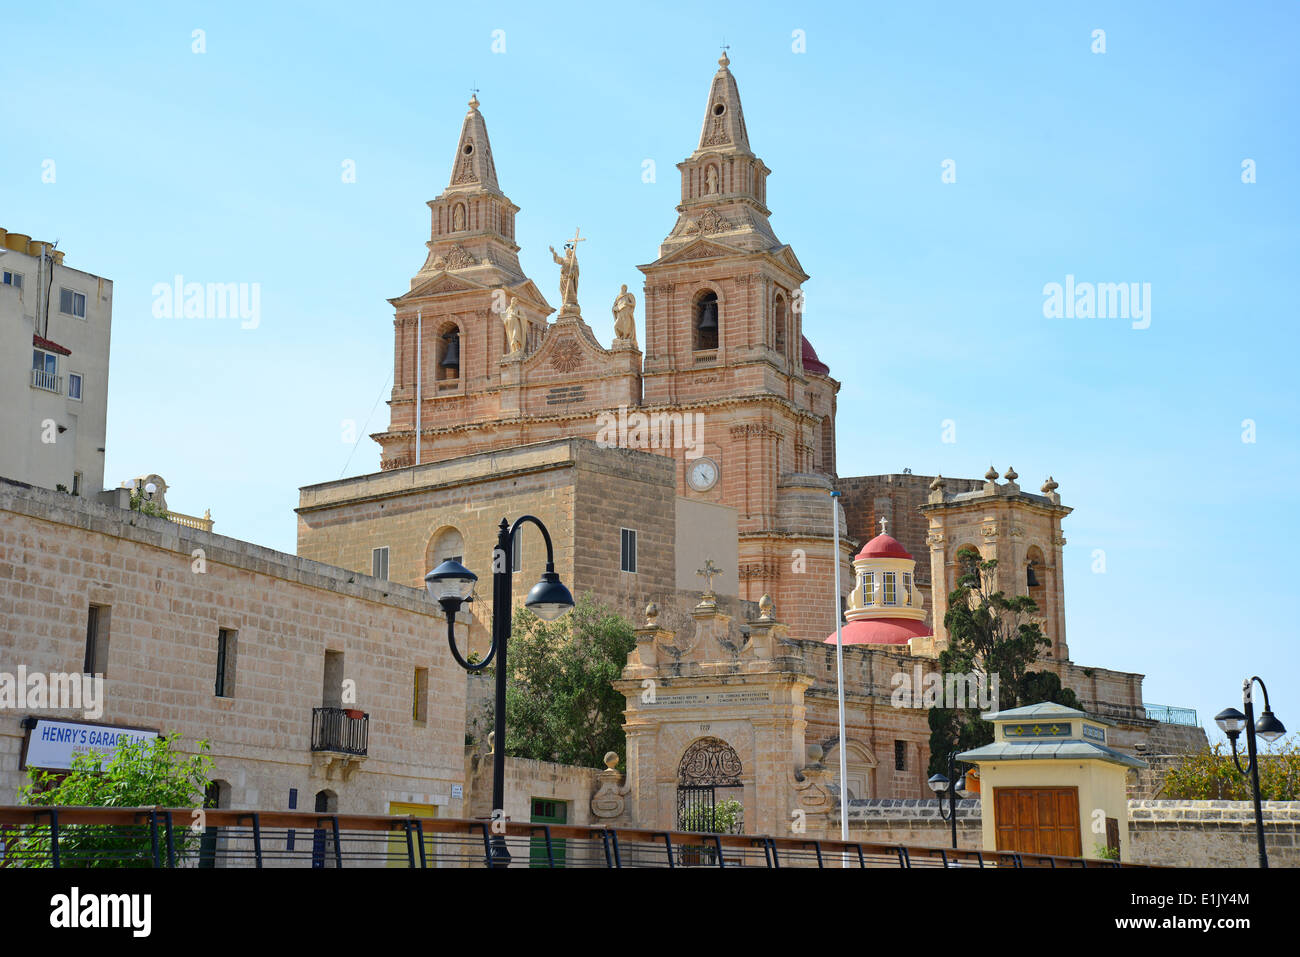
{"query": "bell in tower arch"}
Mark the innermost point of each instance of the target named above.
(706, 321)
(451, 357)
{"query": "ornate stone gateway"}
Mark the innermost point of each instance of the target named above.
(709, 765)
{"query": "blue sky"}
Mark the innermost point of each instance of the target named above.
(926, 297)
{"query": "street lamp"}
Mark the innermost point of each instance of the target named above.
(451, 585)
(946, 785)
(1230, 721)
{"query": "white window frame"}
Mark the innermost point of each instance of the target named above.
(907, 587)
(81, 384)
(868, 588)
(889, 581)
(11, 278)
(73, 311)
(379, 556)
(627, 536)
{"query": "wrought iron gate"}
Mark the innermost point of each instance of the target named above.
(708, 767)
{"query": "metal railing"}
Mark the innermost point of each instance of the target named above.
(343, 730)
(181, 837)
(1168, 714)
(47, 381)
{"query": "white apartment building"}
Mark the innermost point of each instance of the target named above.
(54, 338)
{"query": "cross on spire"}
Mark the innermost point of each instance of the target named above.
(884, 526)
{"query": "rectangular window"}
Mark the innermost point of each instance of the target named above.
(225, 687)
(628, 560)
(331, 694)
(76, 483)
(517, 552)
(96, 658)
(907, 587)
(72, 303)
(869, 588)
(420, 699)
(900, 755)
(891, 592)
(14, 279)
(379, 562)
(74, 385)
(43, 361)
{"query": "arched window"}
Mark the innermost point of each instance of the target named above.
(447, 353)
(706, 321)
(778, 315)
(322, 845)
(446, 543)
(966, 561)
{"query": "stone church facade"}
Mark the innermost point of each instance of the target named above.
(723, 447)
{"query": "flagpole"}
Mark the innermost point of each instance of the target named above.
(839, 673)
(419, 343)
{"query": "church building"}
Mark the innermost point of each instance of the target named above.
(710, 439)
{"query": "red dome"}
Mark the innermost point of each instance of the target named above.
(810, 361)
(883, 546)
(880, 631)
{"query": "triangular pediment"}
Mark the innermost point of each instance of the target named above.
(786, 256)
(699, 249)
(438, 284)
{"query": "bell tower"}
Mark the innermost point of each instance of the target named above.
(448, 325)
(724, 341)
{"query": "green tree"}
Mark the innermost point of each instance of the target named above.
(560, 701)
(141, 504)
(1210, 775)
(144, 773)
(989, 634)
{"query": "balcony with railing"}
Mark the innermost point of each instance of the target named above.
(339, 740)
(47, 381)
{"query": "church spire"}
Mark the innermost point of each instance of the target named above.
(473, 221)
(472, 165)
(724, 120)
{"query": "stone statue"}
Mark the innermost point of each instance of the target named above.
(514, 322)
(710, 180)
(624, 323)
(568, 276)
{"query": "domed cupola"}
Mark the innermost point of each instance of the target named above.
(885, 606)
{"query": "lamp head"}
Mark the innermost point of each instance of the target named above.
(1230, 722)
(1268, 727)
(938, 783)
(450, 584)
(549, 599)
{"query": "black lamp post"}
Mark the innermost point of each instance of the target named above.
(1230, 720)
(952, 787)
(451, 584)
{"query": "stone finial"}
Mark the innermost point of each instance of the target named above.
(1012, 475)
(815, 753)
(473, 101)
(724, 60)
(652, 615)
(611, 760)
(1050, 486)
(766, 608)
(938, 484)
(991, 475)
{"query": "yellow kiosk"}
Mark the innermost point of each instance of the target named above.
(1050, 784)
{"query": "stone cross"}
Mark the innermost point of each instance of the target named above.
(884, 526)
(707, 573)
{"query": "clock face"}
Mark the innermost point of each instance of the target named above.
(702, 474)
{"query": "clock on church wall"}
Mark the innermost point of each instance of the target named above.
(702, 474)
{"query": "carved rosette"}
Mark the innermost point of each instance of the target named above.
(567, 355)
(457, 258)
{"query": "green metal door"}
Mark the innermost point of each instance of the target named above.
(547, 811)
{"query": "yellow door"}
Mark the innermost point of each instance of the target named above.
(398, 855)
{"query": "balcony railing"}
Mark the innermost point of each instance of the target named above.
(203, 524)
(340, 730)
(1168, 714)
(47, 381)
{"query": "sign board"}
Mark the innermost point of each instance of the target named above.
(666, 699)
(53, 744)
(457, 792)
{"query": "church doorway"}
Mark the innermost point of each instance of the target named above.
(710, 794)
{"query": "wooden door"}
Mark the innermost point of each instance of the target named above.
(1037, 820)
